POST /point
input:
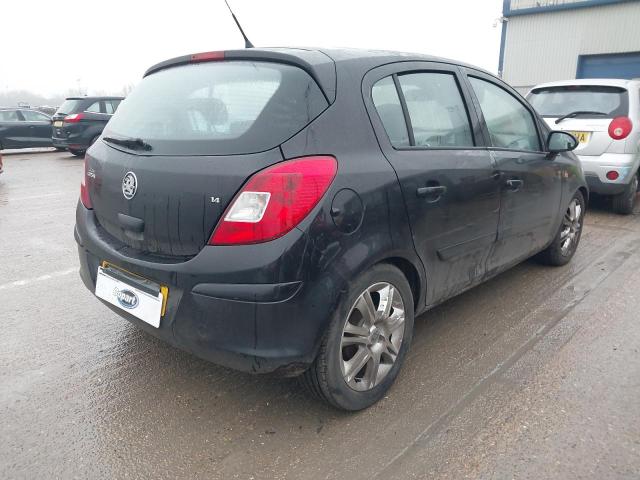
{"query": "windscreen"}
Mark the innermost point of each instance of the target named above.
(218, 108)
(559, 101)
(69, 106)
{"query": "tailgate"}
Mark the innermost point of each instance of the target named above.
(176, 201)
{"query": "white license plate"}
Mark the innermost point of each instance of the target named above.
(57, 123)
(140, 304)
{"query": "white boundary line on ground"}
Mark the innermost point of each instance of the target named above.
(42, 278)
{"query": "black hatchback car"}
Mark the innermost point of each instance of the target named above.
(80, 120)
(293, 210)
(24, 128)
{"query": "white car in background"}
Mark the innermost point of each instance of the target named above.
(604, 116)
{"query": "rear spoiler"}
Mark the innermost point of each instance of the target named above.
(317, 64)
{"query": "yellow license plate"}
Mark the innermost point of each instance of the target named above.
(582, 137)
(57, 123)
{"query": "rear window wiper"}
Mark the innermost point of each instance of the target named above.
(130, 143)
(579, 112)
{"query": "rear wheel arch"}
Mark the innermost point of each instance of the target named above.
(412, 275)
(585, 194)
(324, 378)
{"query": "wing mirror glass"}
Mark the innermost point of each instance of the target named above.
(561, 142)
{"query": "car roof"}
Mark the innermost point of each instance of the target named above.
(320, 63)
(95, 98)
(381, 56)
(344, 55)
(4, 109)
(604, 82)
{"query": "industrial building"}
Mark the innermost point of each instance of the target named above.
(548, 40)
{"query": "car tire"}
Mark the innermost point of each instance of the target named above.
(624, 202)
(566, 241)
(77, 153)
(379, 342)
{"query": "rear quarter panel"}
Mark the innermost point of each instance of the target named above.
(572, 175)
(336, 258)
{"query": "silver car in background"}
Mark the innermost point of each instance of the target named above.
(604, 116)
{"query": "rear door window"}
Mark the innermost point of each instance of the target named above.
(9, 116)
(111, 106)
(510, 123)
(219, 108)
(558, 101)
(387, 102)
(94, 108)
(32, 116)
(436, 109)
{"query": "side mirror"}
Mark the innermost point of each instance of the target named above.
(561, 142)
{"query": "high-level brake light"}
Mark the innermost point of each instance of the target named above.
(207, 56)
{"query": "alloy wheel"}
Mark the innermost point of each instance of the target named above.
(571, 225)
(372, 336)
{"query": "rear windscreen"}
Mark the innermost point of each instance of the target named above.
(559, 101)
(218, 108)
(69, 106)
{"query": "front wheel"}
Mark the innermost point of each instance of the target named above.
(566, 241)
(624, 202)
(366, 343)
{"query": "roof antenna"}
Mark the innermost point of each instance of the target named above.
(247, 43)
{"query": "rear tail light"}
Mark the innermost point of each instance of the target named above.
(612, 175)
(275, 200)
(620, 128)
(84, 190)
(73, 118)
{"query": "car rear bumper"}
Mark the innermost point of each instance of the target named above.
(596, 167)
(59, 142)
(219, 307)
(598, 186)
(74, 142)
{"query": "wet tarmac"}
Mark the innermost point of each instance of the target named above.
(535, 374)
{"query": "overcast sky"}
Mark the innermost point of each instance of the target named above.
(50, 47)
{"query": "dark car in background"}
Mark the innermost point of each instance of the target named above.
(293, 210)
(80, 120)
(24, 128)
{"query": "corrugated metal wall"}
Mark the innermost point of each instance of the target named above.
(544, 47)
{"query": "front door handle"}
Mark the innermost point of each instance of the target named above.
(514, 184)
(432, 192)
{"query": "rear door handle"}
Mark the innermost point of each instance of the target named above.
(436, 191)
(514, 184)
